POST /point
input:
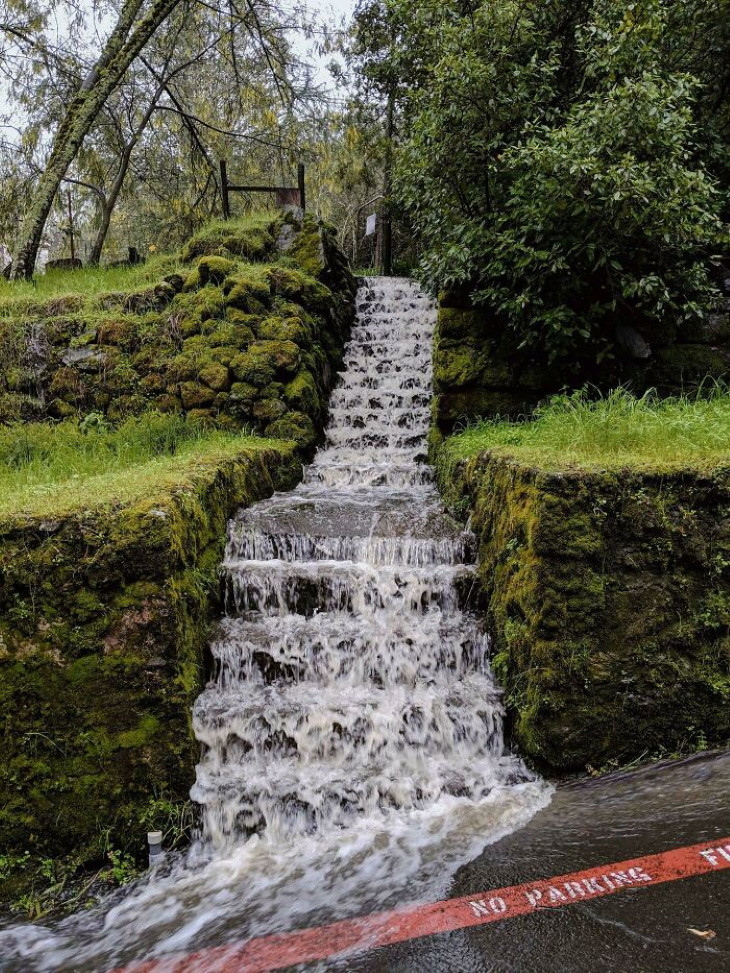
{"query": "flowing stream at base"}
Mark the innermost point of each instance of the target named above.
(352, 735)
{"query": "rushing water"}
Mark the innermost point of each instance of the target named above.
(353, 754)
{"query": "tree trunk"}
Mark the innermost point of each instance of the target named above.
(110, 201)
(123, 45)
(106, 217)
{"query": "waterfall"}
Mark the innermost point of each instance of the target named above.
(352, 734)
(351, 680)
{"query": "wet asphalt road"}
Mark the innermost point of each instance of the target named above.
(588, 824)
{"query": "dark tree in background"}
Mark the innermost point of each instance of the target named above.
(564, 164)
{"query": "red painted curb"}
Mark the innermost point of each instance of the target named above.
(386, 928)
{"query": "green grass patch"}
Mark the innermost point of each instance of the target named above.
(89, 282)
(53, 470)
(616, 431)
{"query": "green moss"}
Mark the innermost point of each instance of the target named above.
(269, 410)
(302, 393)
(248, 293)
(194, 309)
(142, 735)
(196, 396)
(284, 355)
(289, 329)
(214, 270)
(294, 426)
(457, 367)
(232, 335)
(215, 376)
(608, 607)
(242, 319)
(254, 368)
(309, 250)
(251, 238)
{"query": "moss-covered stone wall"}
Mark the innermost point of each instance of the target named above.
(248, 330)
(609, 603)
(480, 371)
(103, 623)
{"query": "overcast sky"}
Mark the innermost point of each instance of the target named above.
(339, 7)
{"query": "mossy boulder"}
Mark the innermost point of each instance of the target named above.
(230, 335)
(302, 393)
(241, 399)
(284, 355)
(309, 249)
(252, 239)
(254, 369)
(249, 294)
(285, 329)
(296, 426)
(216, 376)
(269, 410)
(195, 395)
(214, 270)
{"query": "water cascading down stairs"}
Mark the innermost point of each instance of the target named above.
(351, 678)
(353, 755)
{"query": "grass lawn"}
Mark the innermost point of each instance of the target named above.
(614, 432)
(53, 470)
(89, 282)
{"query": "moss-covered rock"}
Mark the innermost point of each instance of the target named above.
(248, 293)
(252, 239)
(254, 369)
(285, 329)
(608, 598)
(214, 270)
(269, 410)
(296, 426)
(194, 395)
(302, 394)
(216, 376)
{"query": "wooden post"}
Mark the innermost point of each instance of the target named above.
(387, 235)
(224, 192)
(71, 229)
(302, 188)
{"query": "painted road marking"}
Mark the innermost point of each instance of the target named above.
(351, 936)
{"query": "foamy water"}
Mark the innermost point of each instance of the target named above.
(353, 752)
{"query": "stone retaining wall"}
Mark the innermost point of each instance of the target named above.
(609, 602)
(103, 624)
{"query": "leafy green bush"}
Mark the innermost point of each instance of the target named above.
(555, 170)
(607, 221)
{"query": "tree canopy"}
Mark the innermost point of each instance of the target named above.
(565, 164)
